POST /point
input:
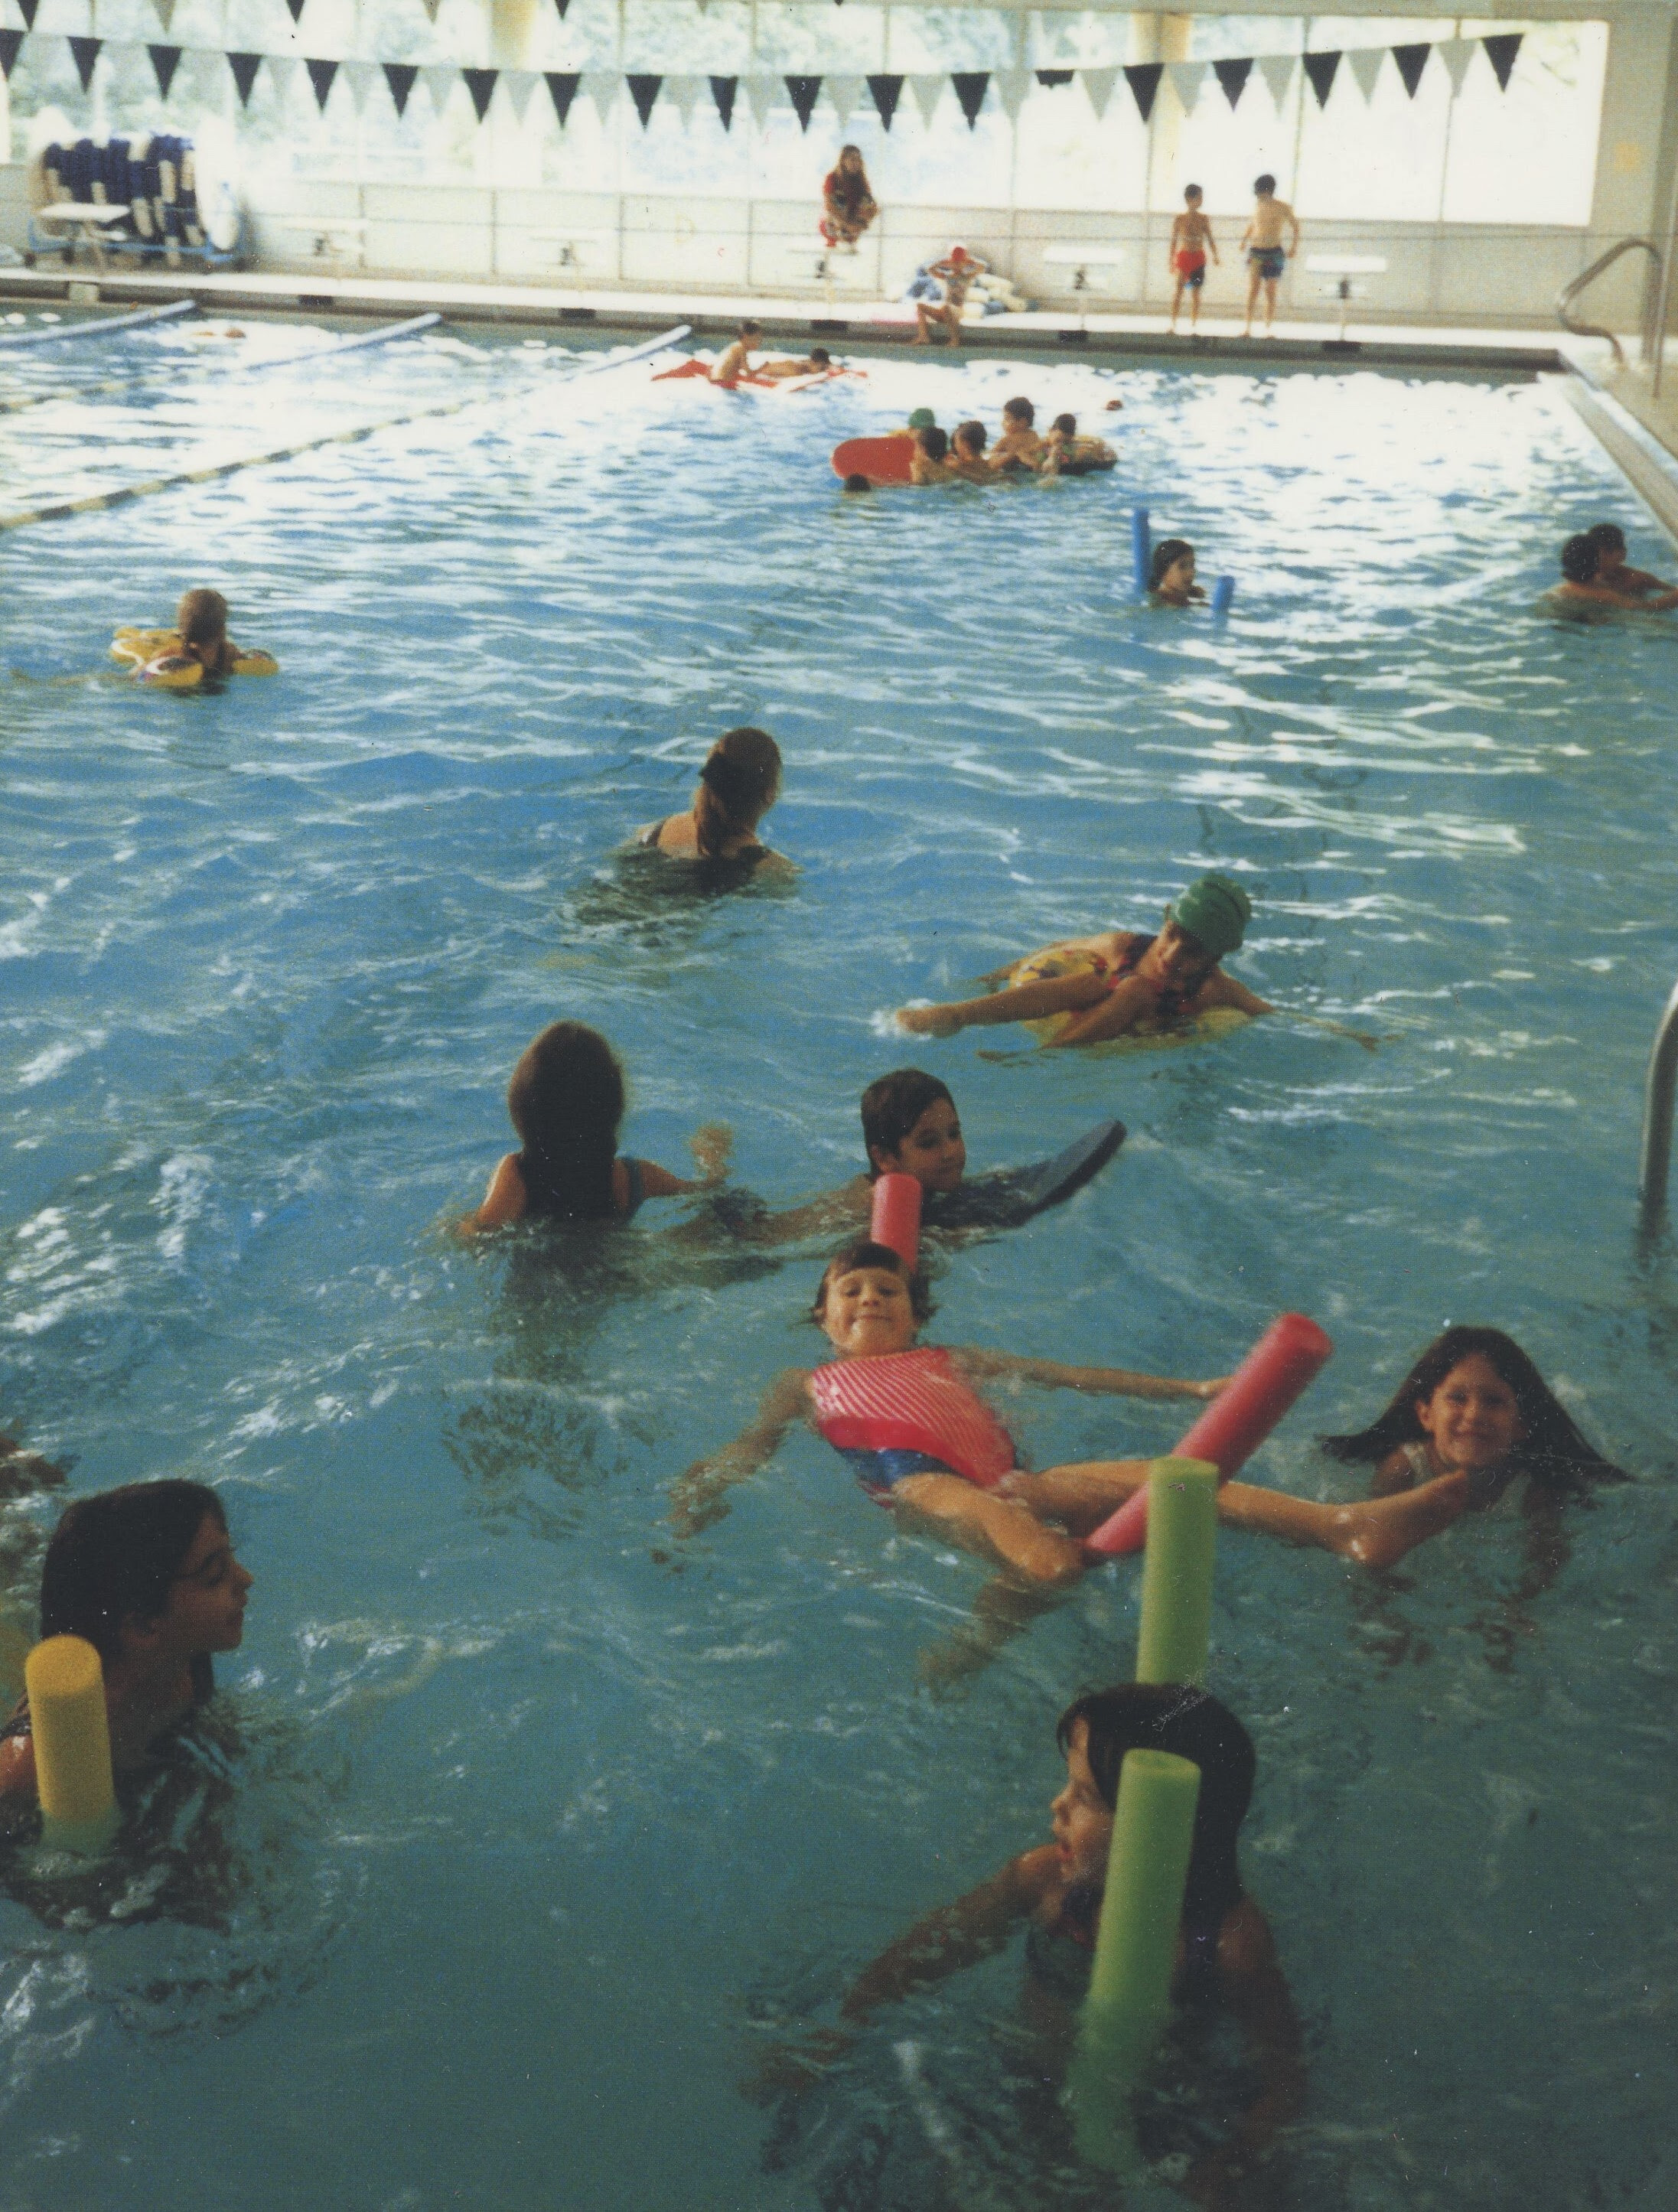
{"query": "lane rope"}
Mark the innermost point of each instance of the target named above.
(100, 326)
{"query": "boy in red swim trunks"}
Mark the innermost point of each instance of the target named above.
(1191, 240)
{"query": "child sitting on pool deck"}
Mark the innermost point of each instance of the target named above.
(1171, 574)
(1120, 982)
(917, 1432)
(147, 1575)
(566, 1101)
(737, 785)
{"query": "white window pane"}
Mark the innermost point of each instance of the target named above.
(1529, 155)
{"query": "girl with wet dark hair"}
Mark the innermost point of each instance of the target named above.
(566, 1101)
(1171, 574)
(737, 785)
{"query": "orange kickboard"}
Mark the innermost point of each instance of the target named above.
(882, 460)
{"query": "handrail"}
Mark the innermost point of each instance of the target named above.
(1569, 292)
(1657, 1101)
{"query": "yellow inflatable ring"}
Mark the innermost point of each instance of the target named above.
(156, 656)
(1049, 968)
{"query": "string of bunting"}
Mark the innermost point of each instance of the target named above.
(603, 87)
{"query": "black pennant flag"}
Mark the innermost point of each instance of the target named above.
(164, 61)
(400, 75)
(723, 91)
(1321, 69)
(1412, 61)
(563, 5)
(85, 52)
(10, 43)
(28, 8)
(296, 7)
(885, 92)
(1233, 76)
(562, 85)
(1500, 52)
(644, 90)
(244, 67)
(481, 83)
(1143, 78)
(321, 76)
(1050, 78)
(971, 86)
(804, 92)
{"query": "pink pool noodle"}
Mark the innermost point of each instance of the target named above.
(1278, 1369)
(897, 1217)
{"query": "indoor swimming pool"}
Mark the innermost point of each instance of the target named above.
(535, 1828)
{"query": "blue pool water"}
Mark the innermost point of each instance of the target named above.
(546, 1826)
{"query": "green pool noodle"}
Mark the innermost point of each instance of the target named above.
(1177, 1572)
(1130, 1983)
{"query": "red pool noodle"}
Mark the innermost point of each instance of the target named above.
(1278, 1369)
(897, 1217)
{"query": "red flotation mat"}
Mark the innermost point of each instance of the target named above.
(882, 460)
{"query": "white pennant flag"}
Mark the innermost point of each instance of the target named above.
(1457, 54)
(361, 77)
(518, 85)
(1013, 86)
(1365, 62)
(1099, 85)
(682, 93)
(439, 79)
(431, 8)
(927, 90)
(165, 11)
(1187, 78)
(285, 72)
(846, 94)
(600, 88)
(1277, 71)
(761, 96)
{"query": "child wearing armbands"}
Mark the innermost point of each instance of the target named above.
(197, 647)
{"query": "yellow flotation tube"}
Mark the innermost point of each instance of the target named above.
(156, 656)
(1049, 967)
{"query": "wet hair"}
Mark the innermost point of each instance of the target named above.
(892, 1105)
(1578, 559)
(202, 618)
(856, 484)
(821, 356)
(1187, 1722)
(750, 330)
(1267, 183)
(566, 1099)
(1551, 1452)
(970, 437)
(1019, 411)
(1194, 191)
(117, 1555)
(863, 1252)
(933, 442)
(738, 786)
(1608, 535)
(1066, 424)
(1166, 555)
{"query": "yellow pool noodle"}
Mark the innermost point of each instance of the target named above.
(72, 1738)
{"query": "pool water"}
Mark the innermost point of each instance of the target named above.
(543, 1826)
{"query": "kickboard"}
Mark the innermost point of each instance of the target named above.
(1009, 1196)
(882, 460)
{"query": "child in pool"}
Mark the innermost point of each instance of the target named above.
(1064, 454)
(1171, 574)
(566, 1100)
(1585, 582)
(917, 1431)
(1612, 570)
(818, 361)
(1120, 982)
(199, 640)
(147, 1574)
(736, 358)
(1226, 1952)
(967, 455)
(1019, 445)
(737, 785)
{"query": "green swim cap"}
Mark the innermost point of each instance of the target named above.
(923, 419)
(1215, 912)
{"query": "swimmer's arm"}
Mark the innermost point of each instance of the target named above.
(1257, 1994)
(1113, 1012)
(956, 1937)
(697, 1498)
(1021, 1002)
(1101, 1382)
(1294, 224)
(1393, 1475)
(835, 1210)
(1222, 990)
(503, 1202)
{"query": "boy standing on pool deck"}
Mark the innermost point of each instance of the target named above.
(1262, 242)
(1191, 237)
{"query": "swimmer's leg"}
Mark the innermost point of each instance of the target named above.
(1254, 279)
(996, 1526)
(921, 335)
(1177, 302)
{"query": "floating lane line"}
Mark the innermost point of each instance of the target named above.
(96, 502)
(414, 325)
(99, 326)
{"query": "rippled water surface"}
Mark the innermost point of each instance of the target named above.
(544, 1825)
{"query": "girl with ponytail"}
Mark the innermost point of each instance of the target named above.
(737, 785)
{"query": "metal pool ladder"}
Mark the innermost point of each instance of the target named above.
(1657, 1101)
(1654, 304)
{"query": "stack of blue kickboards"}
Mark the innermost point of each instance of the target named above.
(151, 176)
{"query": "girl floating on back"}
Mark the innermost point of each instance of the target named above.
(566, 1101)
(737, 785)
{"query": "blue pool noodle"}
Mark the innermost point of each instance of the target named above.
(1222, 593)
(1141, 548)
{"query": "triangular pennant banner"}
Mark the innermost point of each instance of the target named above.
(1455, 54)
(927, 87)
(10, 43)
(1500, 52)
(971, 86)
(1277, 71)
(1233, 76)
(285, 74)
(1099, 85)
(244, 67)
(27, 8)
(1321, 69)
(1050, 78)
(682, 93)
(844, 96)
(1187, 78)
(439, 79)
(296, 7)
(481, 83)
(804, 92)
(518, 85)
(1012, 87)
(644, 91)
(165, 12)
(164, 61)
(400, 77)
(1143, 78)
(361, 77)
(321, 77)
(1412, 61)
(431, 8)
(563, 86)
(562, 5)
(885, 92)
(600, 89)
(1365, 62)
(724, 91)
(85, 52)
(761, 94)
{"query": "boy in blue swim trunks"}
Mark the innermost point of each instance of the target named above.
(1261, 243)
